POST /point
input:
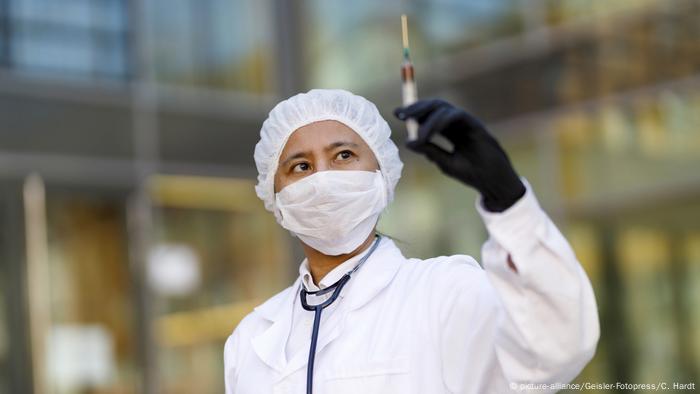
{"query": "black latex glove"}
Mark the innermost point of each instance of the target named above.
(477, 160)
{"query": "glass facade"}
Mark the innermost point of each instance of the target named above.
(596, 103)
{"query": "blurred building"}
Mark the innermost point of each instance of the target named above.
(131, 240)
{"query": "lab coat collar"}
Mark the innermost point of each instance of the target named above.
(331, 277)
(372, 277)
(376, 273)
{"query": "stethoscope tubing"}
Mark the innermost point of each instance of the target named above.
(337, 287)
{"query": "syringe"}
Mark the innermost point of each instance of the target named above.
(409, 92)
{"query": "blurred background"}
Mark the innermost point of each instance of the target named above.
(131, 240)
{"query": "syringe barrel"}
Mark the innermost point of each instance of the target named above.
(409, 95)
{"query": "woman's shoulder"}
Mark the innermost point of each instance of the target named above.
(446, 271)
(445, 264)
(264, 314)
(443, 281)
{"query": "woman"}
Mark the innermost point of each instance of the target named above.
(526, 322)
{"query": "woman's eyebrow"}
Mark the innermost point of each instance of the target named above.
(341, 143)
(297, 155)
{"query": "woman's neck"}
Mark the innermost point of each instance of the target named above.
(320, 264)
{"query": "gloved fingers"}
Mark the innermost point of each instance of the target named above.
(431, 125)
(472, 121)
(444, 160)
(420, 109)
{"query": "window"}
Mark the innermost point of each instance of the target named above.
(212, 43)
(69, 38)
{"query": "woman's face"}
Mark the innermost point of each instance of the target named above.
(322, 146)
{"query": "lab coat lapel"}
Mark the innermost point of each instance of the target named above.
(379, 270)
(270, 344)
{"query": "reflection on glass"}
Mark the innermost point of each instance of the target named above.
(217, 254)
(691, 251)
(81, 38)
(213, 43)
(91, 341)
(644, 257)
(628, 146)
(359, 44)
(4, 345)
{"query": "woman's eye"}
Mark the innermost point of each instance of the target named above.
(301, 167)
(344, 155)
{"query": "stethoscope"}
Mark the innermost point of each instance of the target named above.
(336, 288)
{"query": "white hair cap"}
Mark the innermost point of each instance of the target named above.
(297, 111)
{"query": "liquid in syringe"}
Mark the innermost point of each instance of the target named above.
(409, 92)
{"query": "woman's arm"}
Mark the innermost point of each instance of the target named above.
(550, 329)
(536, 305)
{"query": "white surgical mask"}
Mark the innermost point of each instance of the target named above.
(333, 211)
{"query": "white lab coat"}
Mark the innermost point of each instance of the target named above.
(442, 325)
